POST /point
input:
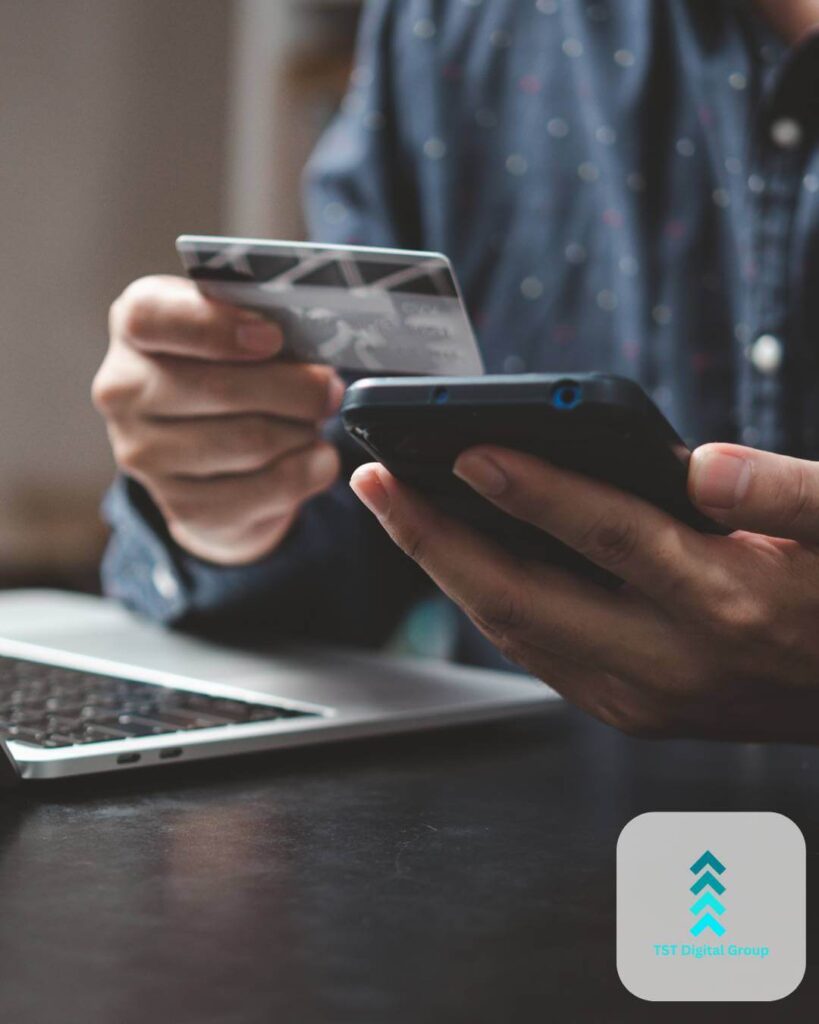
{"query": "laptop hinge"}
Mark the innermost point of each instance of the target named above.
(9, 772)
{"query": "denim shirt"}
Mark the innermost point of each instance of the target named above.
(625, 186)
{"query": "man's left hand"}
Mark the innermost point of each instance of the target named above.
(710, 635)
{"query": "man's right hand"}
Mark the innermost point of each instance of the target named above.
(224, 437)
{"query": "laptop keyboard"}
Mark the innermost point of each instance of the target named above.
(50, 706)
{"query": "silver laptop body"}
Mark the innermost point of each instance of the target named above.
(198, 692)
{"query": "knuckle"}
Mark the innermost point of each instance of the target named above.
(610, 542)
(317, 395)
(413, 545)
(326, 465)
(747, 617)
(410, 541)
(104, 390)
(113, 389)
(320, 468)
(133, 455)
(504, 613)
(134, 313)
(300, 477)
(796, 497)
(720, 588)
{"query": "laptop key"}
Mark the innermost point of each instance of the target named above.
(133, 725)
(60, 740)
(21, 734)
(179, 718)
(63, 704)
(24, 715)
(66, 726)
(101, 733)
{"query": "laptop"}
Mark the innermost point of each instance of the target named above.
(87, 687)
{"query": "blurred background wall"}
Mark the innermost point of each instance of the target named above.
(122, 124)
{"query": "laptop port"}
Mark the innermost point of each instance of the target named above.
(129, 758)
(170, 752)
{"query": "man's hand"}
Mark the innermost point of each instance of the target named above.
(224, 437)
(710, 636)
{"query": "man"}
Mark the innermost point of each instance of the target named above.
(631, 187)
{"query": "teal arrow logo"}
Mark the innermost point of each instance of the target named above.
(707, 921)
(710, 901)
(708, 905)
(707, 860)
(708, 879)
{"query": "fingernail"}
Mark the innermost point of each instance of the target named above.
(335, 393)
(720, 480)
(258, 337)
(369, 489)
(481, 473)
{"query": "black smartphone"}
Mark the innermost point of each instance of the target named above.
(597, 424)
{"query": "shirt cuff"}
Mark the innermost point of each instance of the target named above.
(139, 567)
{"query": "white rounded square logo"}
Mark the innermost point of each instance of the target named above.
(711, 906)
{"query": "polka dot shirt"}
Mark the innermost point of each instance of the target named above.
(623, 186)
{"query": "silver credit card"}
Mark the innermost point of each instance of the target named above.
(352, 307)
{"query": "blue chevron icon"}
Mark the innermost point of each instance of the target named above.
(707, 860)
(707, 921)
(707, 900)
(708, 879)
(707, 905)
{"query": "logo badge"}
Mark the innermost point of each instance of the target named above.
(693, 924)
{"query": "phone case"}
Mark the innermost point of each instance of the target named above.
(600, 425)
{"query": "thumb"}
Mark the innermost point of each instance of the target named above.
(752, 490)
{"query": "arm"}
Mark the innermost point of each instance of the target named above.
(333, 576)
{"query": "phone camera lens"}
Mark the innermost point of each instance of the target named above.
(440, 396)
(566, 395)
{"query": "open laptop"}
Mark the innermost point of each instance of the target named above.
(87, 687)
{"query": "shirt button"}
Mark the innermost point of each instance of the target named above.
(766, 353)
(164, 582)
(786, 132)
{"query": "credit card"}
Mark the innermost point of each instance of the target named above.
(351, 307)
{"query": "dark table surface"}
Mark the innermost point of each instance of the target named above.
(460, 876)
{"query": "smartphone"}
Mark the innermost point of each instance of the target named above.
(349, 306)
(600, 425)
